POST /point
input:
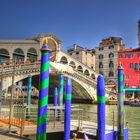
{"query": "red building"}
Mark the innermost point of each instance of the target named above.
(130, 59)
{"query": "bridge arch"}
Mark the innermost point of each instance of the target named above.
(52, 43)
(86, 72)
(80, 68)
(4, 55)
(32, 54)
(72, 64)
(18, 55)
(64, 60)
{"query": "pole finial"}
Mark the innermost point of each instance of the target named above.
(45, 42)
(45, 46)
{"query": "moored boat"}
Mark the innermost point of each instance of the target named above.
(137, 104)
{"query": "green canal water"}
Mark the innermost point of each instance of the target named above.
(132, 116)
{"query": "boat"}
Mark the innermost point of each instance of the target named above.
(137, 104)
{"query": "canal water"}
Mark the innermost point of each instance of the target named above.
(132, 116)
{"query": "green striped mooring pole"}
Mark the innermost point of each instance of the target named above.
(43, 93)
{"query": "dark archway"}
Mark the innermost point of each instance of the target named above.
(86, 73)
(79, 94)
(63, 60)
(80, 69)
(4, 55)
(72, 64)
(18, 55)
(93, 76)
(32, 54)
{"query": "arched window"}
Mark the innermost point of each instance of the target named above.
(101, 56)
(4, 55)
(111, 64)
(80, 69)
(64, 60)
(111, 74)
(100, 65)
(18, 55)
(86, 72)
(72, 64)
(93, 76)
(111, 55)
(32, 54)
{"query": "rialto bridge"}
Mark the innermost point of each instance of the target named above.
(26, 54)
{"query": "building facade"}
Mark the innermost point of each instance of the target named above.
(84, 55)
(106, 57)
(130, 59)
(25, 50)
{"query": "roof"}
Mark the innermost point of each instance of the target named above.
(17, 42)
(130, 50)
(111, 41)
(132, 89)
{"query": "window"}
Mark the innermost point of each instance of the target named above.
(126, 55)
(138, 85)
(126, 76)
(101, 48)
(111, 64)
(138, 55)
(111, 55)
(131, 65)
(101, 56)
(100, 65)
(120, 55)
(126, 85)
(137, 66)
(130, 55)
(77, 52)
(139, 76)
(111, 47)
(111, 74)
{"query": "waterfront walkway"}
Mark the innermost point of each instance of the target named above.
(10, 136)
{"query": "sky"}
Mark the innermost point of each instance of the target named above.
(82, 22)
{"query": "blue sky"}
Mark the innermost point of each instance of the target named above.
(83, 22)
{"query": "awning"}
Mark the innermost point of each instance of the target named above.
(132, 89)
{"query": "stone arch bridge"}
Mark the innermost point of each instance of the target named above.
(23, 70)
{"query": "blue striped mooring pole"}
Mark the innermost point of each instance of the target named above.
(68, 97)
(43, 92)
(101, 99)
